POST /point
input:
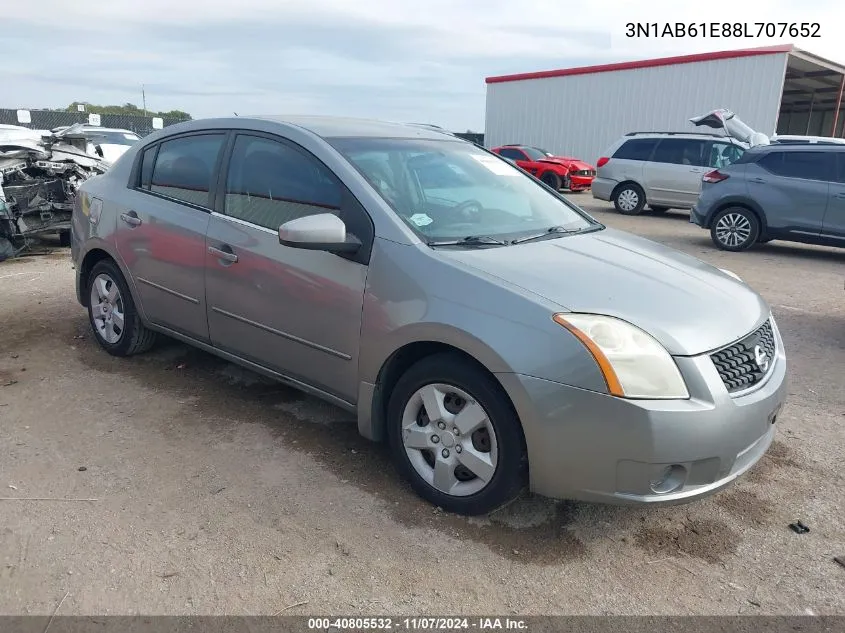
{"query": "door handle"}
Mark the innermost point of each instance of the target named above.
(225, 255)
(841, 194)
(131, 218)
(759, 181)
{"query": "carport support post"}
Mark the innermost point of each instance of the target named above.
(838, 105)
(810, 115)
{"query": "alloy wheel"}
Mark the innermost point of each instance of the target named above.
(733, 229)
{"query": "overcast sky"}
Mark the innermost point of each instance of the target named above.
(411, 60)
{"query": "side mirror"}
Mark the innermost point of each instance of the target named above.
(322, 232)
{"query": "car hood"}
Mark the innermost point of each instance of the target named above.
(572, 163)
(688, 305)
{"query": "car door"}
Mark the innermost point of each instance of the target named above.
(161, 232)
(294, 311)
(673, 175)
(793, 189)
(833, 225)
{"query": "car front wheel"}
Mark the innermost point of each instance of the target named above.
(455, 437)
(735, 229)
(629, 199)
(112, 313)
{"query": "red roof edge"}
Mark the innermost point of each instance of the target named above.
(645, 63)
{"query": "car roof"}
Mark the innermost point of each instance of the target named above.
(331, 127)
(796, 147)
(109, 129)
(694, 135)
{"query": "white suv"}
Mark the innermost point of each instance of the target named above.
(660, 169)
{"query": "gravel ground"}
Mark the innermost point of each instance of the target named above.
(216, 492)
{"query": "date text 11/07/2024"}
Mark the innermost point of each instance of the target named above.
(417, 624)
(723, 29)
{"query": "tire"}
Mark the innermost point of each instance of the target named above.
(658, 209)
(552, 180)
(418, 445)
(64, 238)
(106, 281)
(629, 199)
(735, 229)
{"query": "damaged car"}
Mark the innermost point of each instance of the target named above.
(39, 176)
(105, 142)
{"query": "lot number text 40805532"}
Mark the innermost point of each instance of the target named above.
(722, 29)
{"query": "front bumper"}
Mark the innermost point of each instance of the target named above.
(580, 183)
(593, 447)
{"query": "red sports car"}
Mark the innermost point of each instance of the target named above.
(559, 172)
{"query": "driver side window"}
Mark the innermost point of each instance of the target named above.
(270, 183)
(513, 154)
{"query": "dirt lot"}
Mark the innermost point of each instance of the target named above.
(216, 492)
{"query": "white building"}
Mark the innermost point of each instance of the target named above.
(581, 111)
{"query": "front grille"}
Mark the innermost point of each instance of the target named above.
(738, 365)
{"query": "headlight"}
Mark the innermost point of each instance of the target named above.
(633, 363)
(731, 273)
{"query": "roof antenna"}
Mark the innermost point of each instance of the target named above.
(236, 114)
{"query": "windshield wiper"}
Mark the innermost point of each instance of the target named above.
(472, 240)
(552, 230)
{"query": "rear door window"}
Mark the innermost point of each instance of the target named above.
(636, 149)
(680, 151)
(840, 167)
(803, 165)
(184, 168)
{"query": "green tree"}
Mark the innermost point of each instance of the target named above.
(127, 109)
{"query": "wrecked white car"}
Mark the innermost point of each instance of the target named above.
(105, 142)
(39, 175)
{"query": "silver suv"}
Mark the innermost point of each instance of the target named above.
(782, 191)
(660, 169)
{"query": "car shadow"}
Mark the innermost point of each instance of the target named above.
(532, 529)
(779, 248)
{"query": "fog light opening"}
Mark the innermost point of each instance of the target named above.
(671, 478)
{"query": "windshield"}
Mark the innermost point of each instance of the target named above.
(534, 153)
(451, 190)
(112, 137)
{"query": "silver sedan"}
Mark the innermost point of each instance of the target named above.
(490, 331)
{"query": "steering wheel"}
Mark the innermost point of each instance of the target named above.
(469, 209)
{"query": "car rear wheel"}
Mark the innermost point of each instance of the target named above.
(552, 180)
(629, 199)
(112, 313)
(735, 229)
(455, 437)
